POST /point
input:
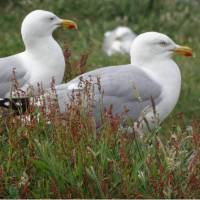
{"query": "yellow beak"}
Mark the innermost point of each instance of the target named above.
(183, 50)
(68, 24)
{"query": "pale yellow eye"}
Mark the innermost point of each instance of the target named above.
(163, 43)
(51, 18)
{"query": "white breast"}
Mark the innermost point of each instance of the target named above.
(168, 75)
(45, 63)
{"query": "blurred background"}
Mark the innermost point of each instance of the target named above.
(179, 19)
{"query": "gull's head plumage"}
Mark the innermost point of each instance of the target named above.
(41, 23)
(151, 46)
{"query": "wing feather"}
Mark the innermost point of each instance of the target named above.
(7, 66)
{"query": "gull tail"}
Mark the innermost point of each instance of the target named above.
(18, 105)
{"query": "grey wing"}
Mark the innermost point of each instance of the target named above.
(129, 88)
(122, 87)
(7, 66)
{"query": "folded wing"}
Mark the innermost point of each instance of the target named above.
(11, 67)
(124, 86)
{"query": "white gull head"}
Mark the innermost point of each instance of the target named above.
(40, 24)
(153, 46)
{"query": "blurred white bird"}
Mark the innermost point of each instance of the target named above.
(118, 41)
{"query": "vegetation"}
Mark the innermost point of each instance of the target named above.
(63, 156)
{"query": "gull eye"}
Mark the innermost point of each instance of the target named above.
(163, 43)
(51, 18)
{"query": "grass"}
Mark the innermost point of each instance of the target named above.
(67, 158)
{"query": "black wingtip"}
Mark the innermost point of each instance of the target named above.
(18, 105)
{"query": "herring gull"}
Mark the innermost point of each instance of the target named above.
(42, 59)
(151, 76)
(118, 40)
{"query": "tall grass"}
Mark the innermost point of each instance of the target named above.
(63, 156)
